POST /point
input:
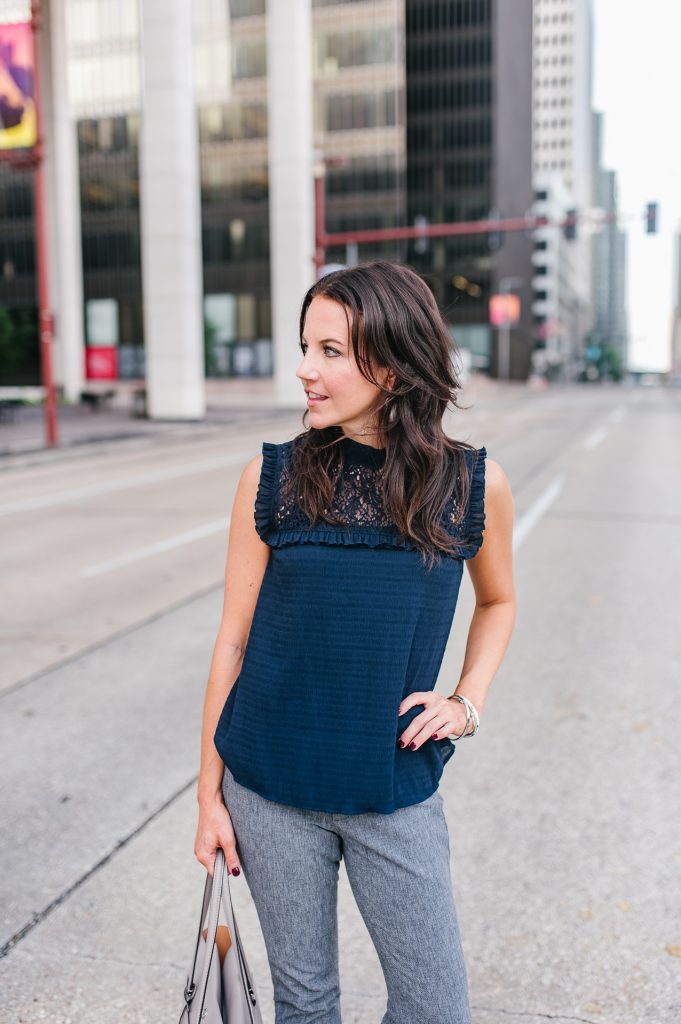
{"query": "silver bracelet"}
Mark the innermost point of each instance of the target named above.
(471, 712)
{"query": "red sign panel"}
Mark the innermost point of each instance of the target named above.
(101, 363)
(504, 309)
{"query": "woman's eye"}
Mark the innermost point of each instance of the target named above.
(327, 348)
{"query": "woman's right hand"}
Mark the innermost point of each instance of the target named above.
(215, 830)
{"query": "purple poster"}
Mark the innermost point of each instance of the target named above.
(17, 111)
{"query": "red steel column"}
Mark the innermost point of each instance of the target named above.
(45, 320)
(320, 221)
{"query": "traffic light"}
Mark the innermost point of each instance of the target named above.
(421, 245)
(570, 226)
(495, 239)
(651, 219)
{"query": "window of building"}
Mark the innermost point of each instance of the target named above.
(354, 48)
(226, 122)
(246, 8)
(360, 110)
(249, 58)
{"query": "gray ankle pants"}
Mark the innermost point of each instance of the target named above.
(398, 867)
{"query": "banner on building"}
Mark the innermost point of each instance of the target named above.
(17, 110)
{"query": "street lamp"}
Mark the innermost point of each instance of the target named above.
(506, 286)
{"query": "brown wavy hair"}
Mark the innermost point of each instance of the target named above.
(397, 325)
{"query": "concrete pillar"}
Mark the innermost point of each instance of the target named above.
(63, 206)
(291, 184)
(170, 215)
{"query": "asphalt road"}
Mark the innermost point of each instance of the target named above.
(563, 812)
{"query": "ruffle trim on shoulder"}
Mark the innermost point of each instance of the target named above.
(475, 518)
(266, 494)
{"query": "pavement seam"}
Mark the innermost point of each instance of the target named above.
(532, 1013)
(162, 965)
(39, 916)
(82, 652)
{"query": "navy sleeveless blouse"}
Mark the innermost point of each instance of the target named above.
(348, 621)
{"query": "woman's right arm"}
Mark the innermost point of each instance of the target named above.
(247, 557)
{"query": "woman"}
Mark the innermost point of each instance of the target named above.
(323, 738)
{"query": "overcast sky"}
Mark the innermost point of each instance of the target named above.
(637, 85)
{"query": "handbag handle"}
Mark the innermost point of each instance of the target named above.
(217, 878)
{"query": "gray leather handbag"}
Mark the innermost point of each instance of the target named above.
(220, 988)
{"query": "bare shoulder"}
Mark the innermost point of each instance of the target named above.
(496, 480)
(247, 487)
(498, 495)
(251, 471)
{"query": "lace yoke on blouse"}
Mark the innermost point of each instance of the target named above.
(358, 501)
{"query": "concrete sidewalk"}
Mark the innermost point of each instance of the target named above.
(232, 401)
(227, 401)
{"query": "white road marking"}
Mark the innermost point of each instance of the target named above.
(618, 414)
(595, 438)
(529, 519)
(121, 484)
(154, 549)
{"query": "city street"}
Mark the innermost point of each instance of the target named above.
(563, 811)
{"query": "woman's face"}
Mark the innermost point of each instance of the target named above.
(329, 369)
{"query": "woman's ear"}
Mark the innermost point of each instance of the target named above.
(390, 380)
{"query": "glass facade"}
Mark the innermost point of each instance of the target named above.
(103, 76)
(360, 125)
(233, 126)
(359, 119)
(108, 151)
(19, 354)
(102, 39)
(450, 147)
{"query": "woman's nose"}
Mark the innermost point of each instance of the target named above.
(305, 371)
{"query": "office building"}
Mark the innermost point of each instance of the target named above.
(469, 157)
(558, 309)
(182, 144)
(611, 327)
(563, 147)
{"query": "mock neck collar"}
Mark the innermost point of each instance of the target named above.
(360, 452)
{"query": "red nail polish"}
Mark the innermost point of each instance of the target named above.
(434, 736)
(412, 745)
(236, 871)
(400, 743)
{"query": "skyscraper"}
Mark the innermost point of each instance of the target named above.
(562, 147)
(469, 95)
(610, 267)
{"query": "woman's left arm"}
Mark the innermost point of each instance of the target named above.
(491, 572)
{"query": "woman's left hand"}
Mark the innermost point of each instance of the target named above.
(440, 716)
